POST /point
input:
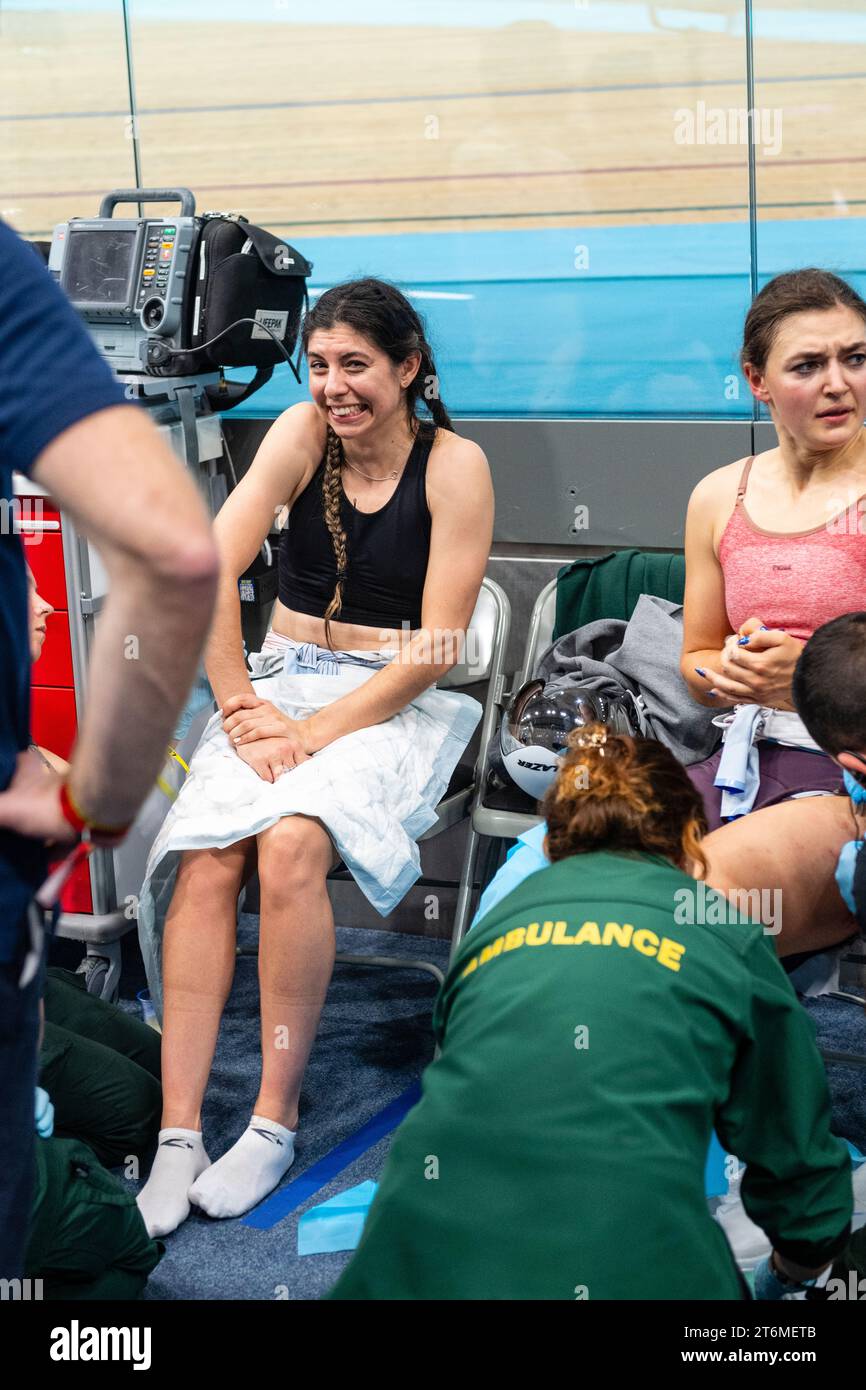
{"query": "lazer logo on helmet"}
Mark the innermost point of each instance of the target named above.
(535, 729)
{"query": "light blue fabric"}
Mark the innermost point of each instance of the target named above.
(299, 658)
(845, 872)
(526, 858)
(856, 1157)
(44, 1114)
(715, 1176)
(306, 658)
(738, 771)
(336, 1224)
(856, 792)
(200, 696)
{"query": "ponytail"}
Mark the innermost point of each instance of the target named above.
(617, 792)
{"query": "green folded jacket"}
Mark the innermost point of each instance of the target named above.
(609, 586)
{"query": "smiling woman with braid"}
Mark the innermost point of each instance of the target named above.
(338, 747)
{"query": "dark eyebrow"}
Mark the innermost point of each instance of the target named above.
(822, 356)
(354, 353)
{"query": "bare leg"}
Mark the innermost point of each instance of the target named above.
(296, 956)
(198, 966)
(794, 848)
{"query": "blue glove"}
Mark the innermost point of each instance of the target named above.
(855, 790)
(769, 1287)
(44, 1114)
(845, 872)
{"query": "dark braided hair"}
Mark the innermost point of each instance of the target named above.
(382, 314)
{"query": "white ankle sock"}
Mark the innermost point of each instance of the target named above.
(163, 1201)
(248, 1172)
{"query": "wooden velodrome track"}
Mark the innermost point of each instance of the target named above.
(354, 130)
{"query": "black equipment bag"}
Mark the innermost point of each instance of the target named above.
(243, 282)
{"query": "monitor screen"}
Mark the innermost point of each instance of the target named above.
(97, 266)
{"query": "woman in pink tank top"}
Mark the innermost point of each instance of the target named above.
(775, 548)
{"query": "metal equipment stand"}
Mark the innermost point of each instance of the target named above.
(180, 410)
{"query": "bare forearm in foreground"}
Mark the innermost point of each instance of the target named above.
(126, 491)
(144, 660)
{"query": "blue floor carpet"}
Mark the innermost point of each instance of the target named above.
(373, 1042)
(841, 1027)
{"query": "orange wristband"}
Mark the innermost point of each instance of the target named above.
(80, 822)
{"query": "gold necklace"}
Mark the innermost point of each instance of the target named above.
(389, 477)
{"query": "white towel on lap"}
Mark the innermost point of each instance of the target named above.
(375, 790)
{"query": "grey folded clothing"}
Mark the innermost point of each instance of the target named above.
(642, 655)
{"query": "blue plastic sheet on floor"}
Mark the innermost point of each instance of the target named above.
(336, 1224)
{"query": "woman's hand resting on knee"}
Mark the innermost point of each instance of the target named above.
(267, 740)
(247, 719)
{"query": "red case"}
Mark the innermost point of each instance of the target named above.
(53, 722)
(52, 719)
(54, 667)
(45, 557)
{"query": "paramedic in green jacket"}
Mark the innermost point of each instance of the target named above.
(593, 1035)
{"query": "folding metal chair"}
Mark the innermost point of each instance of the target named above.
(487, 821)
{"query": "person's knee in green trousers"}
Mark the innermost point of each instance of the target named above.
(87, 1237)
(101, 1068)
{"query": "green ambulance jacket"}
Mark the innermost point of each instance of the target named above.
(592, 1037)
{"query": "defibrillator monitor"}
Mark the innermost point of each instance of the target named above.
(126, 276)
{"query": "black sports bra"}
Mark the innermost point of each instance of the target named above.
(387, 551)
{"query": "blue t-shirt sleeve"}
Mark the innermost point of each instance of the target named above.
(50, 372)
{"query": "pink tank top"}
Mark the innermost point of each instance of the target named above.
(794, 580)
